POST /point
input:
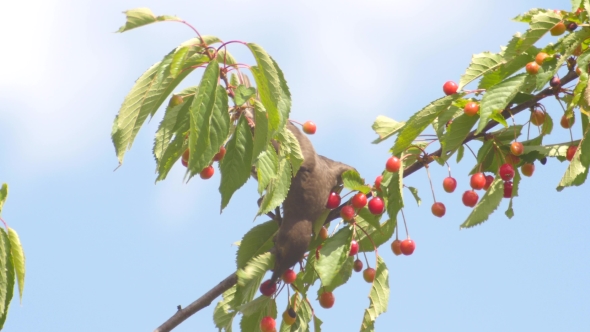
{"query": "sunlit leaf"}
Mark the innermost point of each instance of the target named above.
(378, 297)
(385, 128)
(18, 259)
(256, 241)
(486, 205)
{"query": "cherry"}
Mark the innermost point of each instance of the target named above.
(393, 164)
(309, 128)
(184, 159)
(471, 108)
(557, 29)
(378, 182)
(449, 184)
(555, 82)
(478, 181)
(567, 122)
(543, 160)
(323, 233)
(506, 172)
(354, 248)
(450, 88)
(512, 159)
(327, 300)
(376, 205)
(396, 247)
(571, 151)
(268, 288)
(268, 324)
(219, 155)
(532, 68)
(470, 198)
(438, 209)
(578, 71)
(359, 200)
(369, 274)
(289, 317)
(207, 172)
(540, 58)
(358, 265)
(537, 117)
(507, 189)
(175, 100)
(333, 200)
(527, 169)
(347, 213)
(489, 180)
(516, 148)
(407, 246)
(289, 276)
(572, 26)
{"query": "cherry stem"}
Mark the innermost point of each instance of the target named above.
(565, 112)
(405, 225)
(430, 180)
(195, 30)
(449, 167)
(374, 246)
(473, 153)
(366, 259)
(4, 222)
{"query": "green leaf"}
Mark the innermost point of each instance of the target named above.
(364, 215)
(414, 192)
(304, 316)
(378, 235)
(540, 23)
(547, 126)
(577, 170)
(3, 196)
(242, 94)
(456, 134)
(552, 150)
(277, 189)
(317, 324)
(460, 153)
(510, 212)
(6, 276)
(420, 120)
(266, 168)
(319, 223)
(578, 92)
(178, 60)
(251, 275)
(395, 197)
(378, 297)
(291, 150)
(257, 241)
(497, 98)
(440, 123)
(385, 128)
(527, 17)
(254, 312)
(333, 256)
(261, 133)
(236, 165)
(576, 4)
(223, 315)
(487, 204)
(344, 273)
(18, 260)
(353, 181)
(143, 16)
(255, 306)
(499, 118)
(480, 64)
(515, 63)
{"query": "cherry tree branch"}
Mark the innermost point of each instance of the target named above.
(227, 283)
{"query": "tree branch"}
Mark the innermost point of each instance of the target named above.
(231, 280)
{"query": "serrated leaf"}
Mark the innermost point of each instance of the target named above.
(344, 273)
(256, 241)
(579, 91)
(364, 215)
(293, 151)
(378, 297)
(514, 62)
(414, 192)
(352, 180)
(551, 150)
(251, 275)
(317, 324)
(143, 16)
(526, 17)
(255, 305)
(267, 167)
(333, 256)
(395, 198)
(378, 235)
(420, 120)
(577, 170)
(497, 98)
(456, 134)
(3, 196)
(486, 205)
(236, 165)
(178, 60)
(6, 276)
(319, 223)
(480, 64)
(547, 126)
(460, 153)
(242, 94)
(386, 127)
(277, 189)
(224, 313)
(18, 260)
(497, 116)
(540, 23)
(304, 317)
(261, 307)
(509, 212)
(441, 123)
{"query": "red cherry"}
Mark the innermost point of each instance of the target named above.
(185, 156)
(471, 108)
(450, 88)
(376, 205)
(478, 181)
(354, 248)
(268, 324)
(358, 265)
(507, 189)
(289, 276)
(219, 155)
(567, 122)
(516, 148)
(571, 151)
(532, 68)
(393, 164)
(347, 213)
(527, 169)
(369, 274)
(359, 200)
(449, 184)
(396, 247)
(537, 117)
(506, 172)
(555, 82)
(309, 128)
(470, 198)
(207, 172)
(378, 182)
(333, 201)
(438, 209)
(268, 288)
(489, 180)
(407, 246)
(512, 159)
(327, 300)
(323, 233)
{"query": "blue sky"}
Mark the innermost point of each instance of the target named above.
(112, 251)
